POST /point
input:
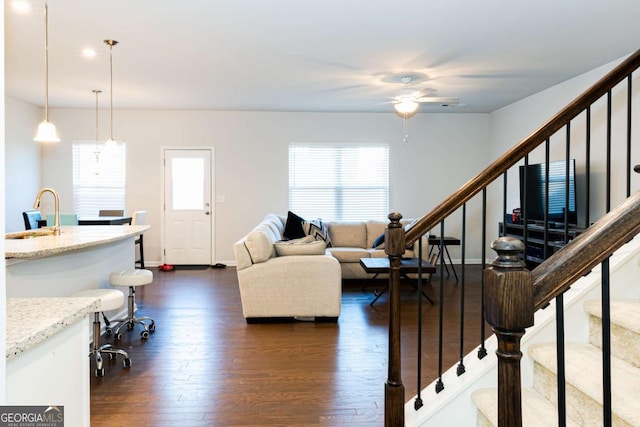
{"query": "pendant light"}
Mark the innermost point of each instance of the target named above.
(97, 152)
(46, 130)
(111, 43)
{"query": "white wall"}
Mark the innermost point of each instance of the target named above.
(22, 168)
(251, 169)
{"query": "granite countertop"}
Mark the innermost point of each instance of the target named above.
(33, 320)
(71, 238)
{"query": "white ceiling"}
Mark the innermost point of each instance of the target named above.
(305, 55)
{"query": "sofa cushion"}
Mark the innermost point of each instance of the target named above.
(348, 234)
(305, 246)
(276, 221)
(293, 227)
(317, 229)
(344, 254)
(259, 243)
(375, 230)
(377, 253)
(277, 235)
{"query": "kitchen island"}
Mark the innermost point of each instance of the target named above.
(48, 330)
(46, 354)
(80, 258)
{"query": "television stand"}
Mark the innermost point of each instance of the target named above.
(536, 250)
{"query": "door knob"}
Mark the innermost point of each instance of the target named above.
(207, 213)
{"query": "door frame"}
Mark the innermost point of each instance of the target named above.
(163, 150)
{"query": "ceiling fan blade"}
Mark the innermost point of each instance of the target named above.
(347, 88)
(440, 100)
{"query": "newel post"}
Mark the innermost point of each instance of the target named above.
(509, 310)
(394, 389)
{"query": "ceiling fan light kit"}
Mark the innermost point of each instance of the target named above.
(406, 106)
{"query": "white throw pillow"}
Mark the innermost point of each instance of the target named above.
(304, 246)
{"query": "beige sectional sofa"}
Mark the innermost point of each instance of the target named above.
(301, 278)
(293, 286)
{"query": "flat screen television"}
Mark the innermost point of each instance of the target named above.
(533, 191)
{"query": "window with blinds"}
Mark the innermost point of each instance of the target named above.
(98, 178)
(339, 182)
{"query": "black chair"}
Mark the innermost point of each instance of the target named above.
(31, 219)
(139, 218)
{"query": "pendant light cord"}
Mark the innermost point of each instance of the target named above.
(97, 152)
(46, 62)
(111, 44)
(97, 92)
(111, 90)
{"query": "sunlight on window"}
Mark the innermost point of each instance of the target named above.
(99, 177)
(187, 184)
(339, 182)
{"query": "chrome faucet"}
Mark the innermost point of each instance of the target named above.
(56, 219)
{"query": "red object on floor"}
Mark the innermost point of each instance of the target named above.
(166, 267)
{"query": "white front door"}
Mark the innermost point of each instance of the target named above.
(188, 214)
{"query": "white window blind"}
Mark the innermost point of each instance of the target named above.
(339, 182)
(98, 178)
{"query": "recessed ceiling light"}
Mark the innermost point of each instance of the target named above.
(88, 53)
(21, 6)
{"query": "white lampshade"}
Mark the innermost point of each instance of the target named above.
(46, 132)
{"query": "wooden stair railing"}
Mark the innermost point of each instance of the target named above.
(514, 294)
(576, 259)
(397, 237)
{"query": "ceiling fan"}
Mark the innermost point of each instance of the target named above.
(407, 103)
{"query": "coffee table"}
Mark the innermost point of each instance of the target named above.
(407, 265)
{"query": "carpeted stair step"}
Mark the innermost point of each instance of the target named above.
(536, 410)
(625, 328)
(584, 383)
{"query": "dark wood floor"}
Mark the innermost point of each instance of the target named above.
(205, 366)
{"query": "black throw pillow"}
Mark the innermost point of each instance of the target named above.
(293, 227)
(378, 241)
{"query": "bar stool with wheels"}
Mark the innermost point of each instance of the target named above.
(132, 278)
(110, 299)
